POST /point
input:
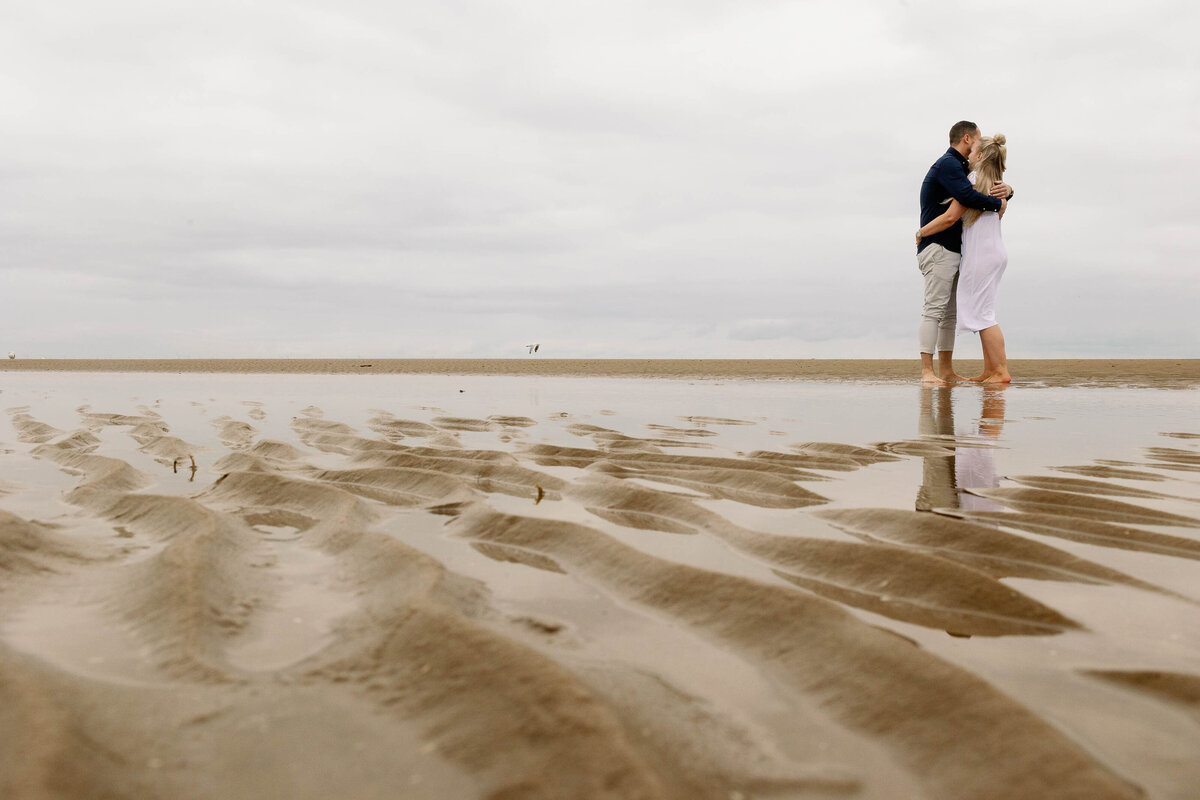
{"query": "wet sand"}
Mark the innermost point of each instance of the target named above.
(421, 585)
(1161, 373)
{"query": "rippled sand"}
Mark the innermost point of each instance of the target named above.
(398, 586)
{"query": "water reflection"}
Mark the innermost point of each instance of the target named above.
(939, 488)
(975, 466)
(971, 463)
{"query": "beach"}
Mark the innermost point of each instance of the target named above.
(1150, 372)
(536, 578)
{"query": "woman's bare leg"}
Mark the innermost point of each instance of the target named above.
(994, 356)
(987, 365)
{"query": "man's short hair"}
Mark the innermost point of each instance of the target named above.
(961, 129)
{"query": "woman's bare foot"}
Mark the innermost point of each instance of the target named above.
(954, 376)
(927, 377)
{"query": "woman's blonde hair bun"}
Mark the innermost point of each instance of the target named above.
(999, 139)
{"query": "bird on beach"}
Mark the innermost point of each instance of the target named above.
(533, 348)
(11, 354)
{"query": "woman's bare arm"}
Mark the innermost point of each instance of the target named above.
(948, 218)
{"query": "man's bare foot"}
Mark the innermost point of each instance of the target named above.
(998, 377)
(978, 379)
(927, 376)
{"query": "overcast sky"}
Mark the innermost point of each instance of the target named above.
(660, 178)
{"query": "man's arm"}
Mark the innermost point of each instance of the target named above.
(956, 183)
(1002, 190)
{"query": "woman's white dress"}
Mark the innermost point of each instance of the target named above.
(975, 468)
(983, 261)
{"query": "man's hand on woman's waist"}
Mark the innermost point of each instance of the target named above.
(1002, 190)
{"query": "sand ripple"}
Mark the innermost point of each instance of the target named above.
(1083, 506)
(810, 643)
(362, 607)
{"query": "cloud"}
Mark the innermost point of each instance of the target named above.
(676, 179)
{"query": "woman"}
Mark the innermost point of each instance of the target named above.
(983, 258)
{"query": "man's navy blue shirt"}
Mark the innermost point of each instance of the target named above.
(947, 178)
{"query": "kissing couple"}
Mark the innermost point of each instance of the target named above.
(961, 254)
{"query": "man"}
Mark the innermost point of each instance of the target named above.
(938, 255)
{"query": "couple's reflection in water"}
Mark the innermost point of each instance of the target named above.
(968, 462)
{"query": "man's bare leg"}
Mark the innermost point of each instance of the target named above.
(993, 353)
(946, 366)
(927, 373)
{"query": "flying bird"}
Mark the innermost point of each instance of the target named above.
(533, 348)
